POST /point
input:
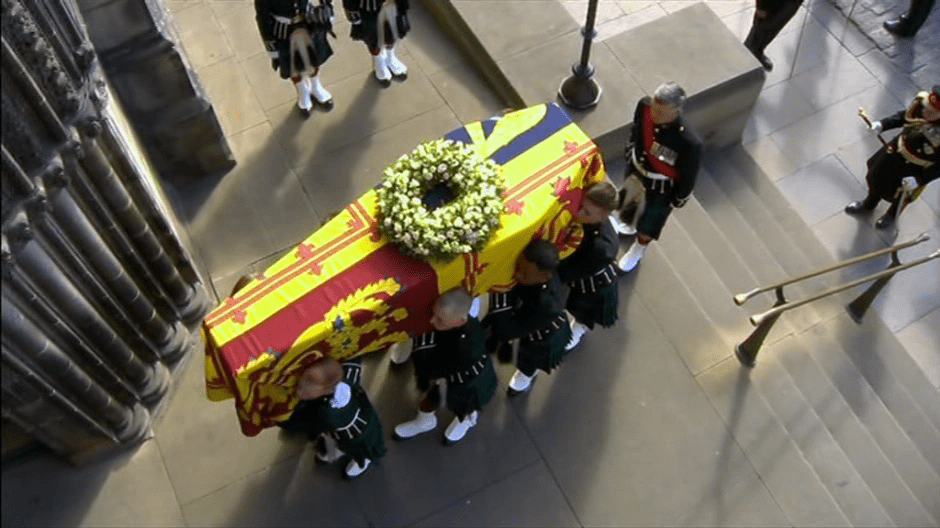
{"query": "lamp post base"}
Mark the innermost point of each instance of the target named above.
(580, 90)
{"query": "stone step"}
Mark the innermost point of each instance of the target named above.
(791, 479)
(794, 247)
(689, 328)
(864, 399)
(885, 480)
(710, 225)
(758, 198)
(742, 168)
(706, 287)
(858, 340)
(751, 246)
(891, 356)
(836, 471)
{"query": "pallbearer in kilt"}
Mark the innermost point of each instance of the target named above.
(534, 312)
(452, 356)
(590, 272)
(333, 404)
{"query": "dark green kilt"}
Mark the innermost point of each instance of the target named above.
(464, 398)
(597, 307)
(370, 443)
(543, 355)
(658, 207)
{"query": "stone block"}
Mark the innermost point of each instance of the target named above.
(694, 48)
(152, 80)
(183, 147)
(138, 47)
(115, 24)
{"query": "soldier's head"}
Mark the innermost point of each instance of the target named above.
(668, 100)
(450, 309)
(600, 199)
(319, 379)
(537, 262)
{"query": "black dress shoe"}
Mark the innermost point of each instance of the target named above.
(859, 207)
(899, 26)
(885, 221)
(765, 62)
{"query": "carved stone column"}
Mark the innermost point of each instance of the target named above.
(97, 287)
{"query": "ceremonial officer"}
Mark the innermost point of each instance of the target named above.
(333, 404)
(380, 24)
(769, 18)
(664, 153)
(899, 170)
(590, 272)
(907, 24)
(534, 312)
(453, 355)
(295, 35)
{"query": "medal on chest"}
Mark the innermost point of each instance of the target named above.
(663, 153)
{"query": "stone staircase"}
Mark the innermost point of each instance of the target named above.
(837, 419)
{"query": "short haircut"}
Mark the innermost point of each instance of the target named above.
(454, 303)
(671, 94)
(604, 194)
(543, 254)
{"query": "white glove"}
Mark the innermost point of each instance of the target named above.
(475, 307)
(657, 176)
(876, 127)
(341, 395)
(909, 183)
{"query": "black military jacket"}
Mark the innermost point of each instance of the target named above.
(676, 136)
(535, 308)
(438, 354)
(598, 248)
(919, 138)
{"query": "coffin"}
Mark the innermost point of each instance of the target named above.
(347, 291)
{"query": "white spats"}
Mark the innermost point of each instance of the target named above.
(458, 428)
(422, 423)
(632, 257)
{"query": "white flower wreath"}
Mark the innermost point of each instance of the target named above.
(469, 186)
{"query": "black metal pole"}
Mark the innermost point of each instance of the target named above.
(580, 90)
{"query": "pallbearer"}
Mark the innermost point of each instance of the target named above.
(454, 357)
(533, 311)
(590, 271)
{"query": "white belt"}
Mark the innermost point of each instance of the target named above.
(286, 20)
(648, 174)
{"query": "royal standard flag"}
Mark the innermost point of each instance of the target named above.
(346, 290)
